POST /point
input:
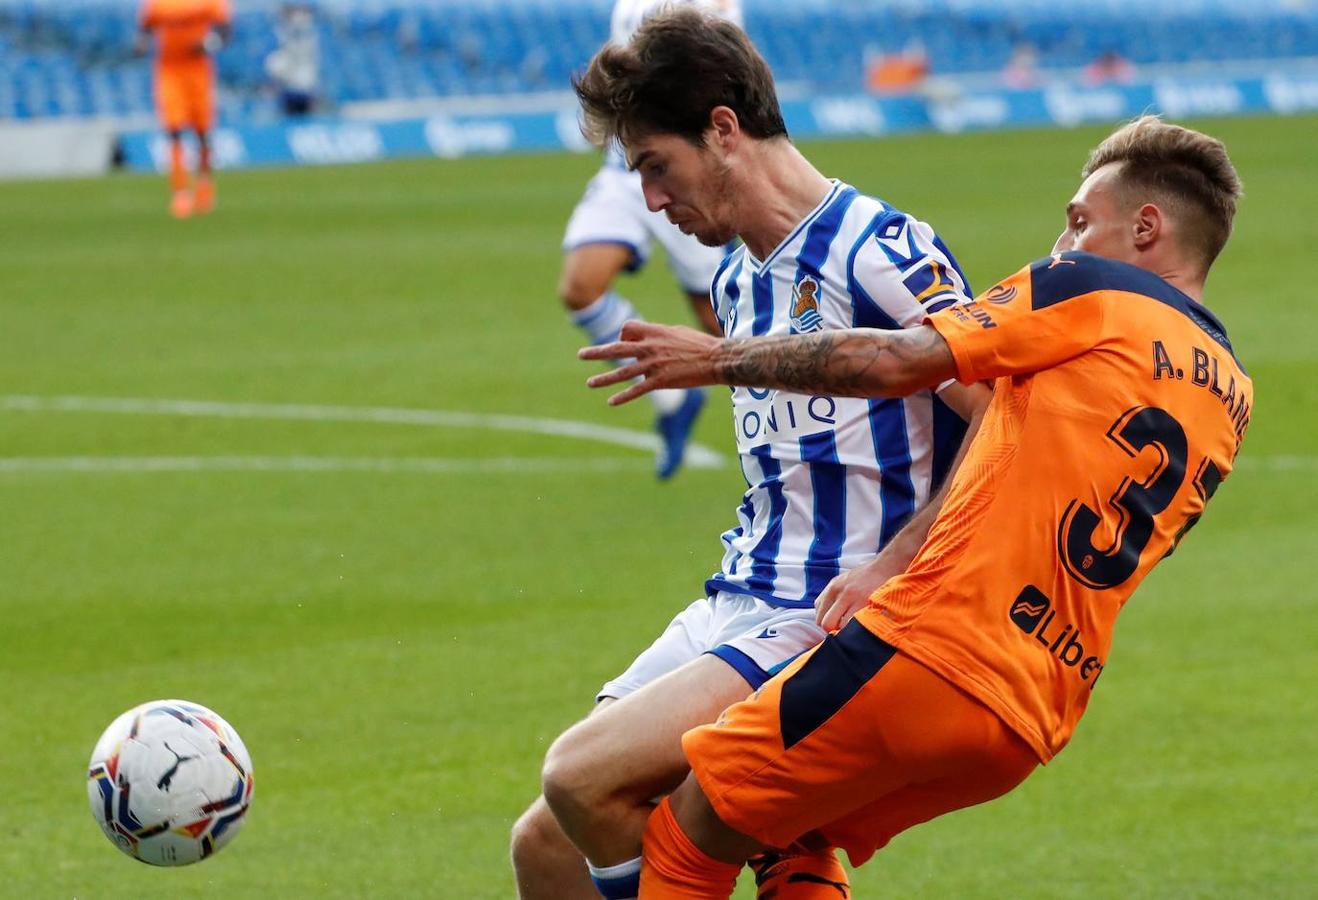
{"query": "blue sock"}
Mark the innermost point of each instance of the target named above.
(620, 882)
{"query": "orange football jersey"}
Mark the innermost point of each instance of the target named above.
(181, 25)
(1118, 408)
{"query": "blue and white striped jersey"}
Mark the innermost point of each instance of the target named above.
(832, 479)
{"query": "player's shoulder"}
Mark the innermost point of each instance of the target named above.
(1074, 274)
(884, 237)
(730, 266)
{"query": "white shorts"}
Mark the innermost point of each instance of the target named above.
(754, 637)
(613, 211)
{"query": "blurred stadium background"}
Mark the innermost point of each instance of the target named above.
(453, 77)
(297, 460)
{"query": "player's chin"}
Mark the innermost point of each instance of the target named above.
(711, 237)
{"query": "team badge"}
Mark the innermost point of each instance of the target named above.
(805, 306)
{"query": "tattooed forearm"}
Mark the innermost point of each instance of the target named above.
(854, 363)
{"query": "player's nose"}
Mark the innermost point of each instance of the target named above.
(655, 199)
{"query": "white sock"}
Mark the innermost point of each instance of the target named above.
(620, 882)
(602, 321)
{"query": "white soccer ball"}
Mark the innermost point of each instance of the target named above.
(170, 782)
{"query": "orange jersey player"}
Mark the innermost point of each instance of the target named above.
(186, 32)
(1118, 408)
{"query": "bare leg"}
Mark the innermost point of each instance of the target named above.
(588, 271)
(704, 310)
(602, 775)
(706, 830)
(546, 864)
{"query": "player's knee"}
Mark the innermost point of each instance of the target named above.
(579, 288)
(534, 836)
(569, 778)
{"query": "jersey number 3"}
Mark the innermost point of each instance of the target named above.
(1135, 502)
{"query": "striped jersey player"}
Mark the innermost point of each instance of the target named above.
(611, 232)
(831, 479)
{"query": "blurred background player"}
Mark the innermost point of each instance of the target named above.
(610, 232)
(294, 66)
(187, 34)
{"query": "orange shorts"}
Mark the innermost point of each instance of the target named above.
(850, 745)
(185, 95)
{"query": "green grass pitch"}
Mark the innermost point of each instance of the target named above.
(398, 635)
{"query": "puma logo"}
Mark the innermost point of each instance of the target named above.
(168, 777)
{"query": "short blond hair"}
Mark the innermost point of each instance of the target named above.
(1184, 171)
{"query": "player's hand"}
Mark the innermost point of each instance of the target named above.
(662, 356)
(850, 592)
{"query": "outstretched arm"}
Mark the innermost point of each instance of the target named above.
(857, 362)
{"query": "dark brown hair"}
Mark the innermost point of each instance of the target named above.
(1185, 172)
(679, 65)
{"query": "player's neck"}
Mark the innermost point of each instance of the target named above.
(1191, 286)
(779, 189)
(1187, 279)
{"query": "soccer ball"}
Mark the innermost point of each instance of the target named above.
(170, 782)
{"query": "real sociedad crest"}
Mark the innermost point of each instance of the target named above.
(805, 308)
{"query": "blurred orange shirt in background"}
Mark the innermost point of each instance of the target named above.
(184, 83)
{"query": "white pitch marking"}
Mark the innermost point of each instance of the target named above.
(698, 456)
(1279, 463)
(425, 465)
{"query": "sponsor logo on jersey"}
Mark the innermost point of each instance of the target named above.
(805, 306)
(1001, 293)
(973, 312)
(931, 283)
(1033, 614)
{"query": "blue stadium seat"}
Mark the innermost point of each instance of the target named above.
(71, 57)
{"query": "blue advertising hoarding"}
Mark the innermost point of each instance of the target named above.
(337, 141)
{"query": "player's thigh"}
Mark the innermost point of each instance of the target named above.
(202, 107)
(609, 222)
(841, 728)
(589, 269)
(871, 827)
(196, 83)
(688, 635)
(634, 746)
(704, 312)
(171, 95)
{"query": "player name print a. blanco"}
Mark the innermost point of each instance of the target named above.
(832, 479)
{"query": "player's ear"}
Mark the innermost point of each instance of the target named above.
(724, 128)
(1148, 226)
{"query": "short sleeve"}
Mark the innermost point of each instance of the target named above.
(900, 274)
(1036, 319)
